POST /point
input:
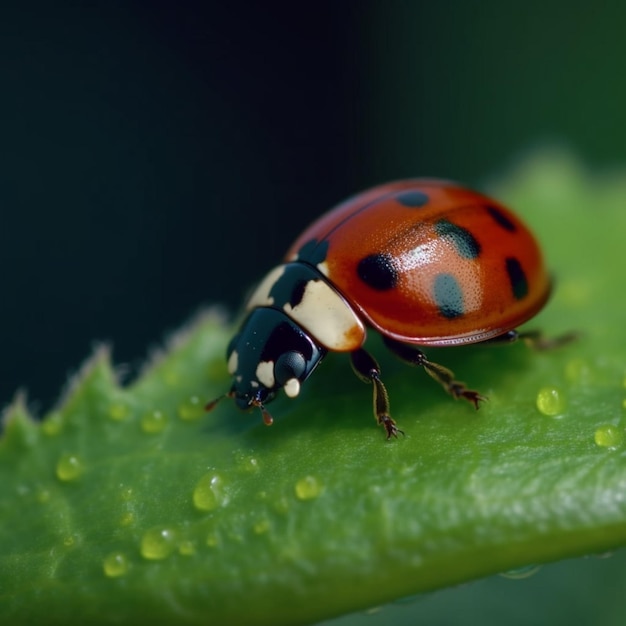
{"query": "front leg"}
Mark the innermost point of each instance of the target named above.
(368, 370)
(445, 377)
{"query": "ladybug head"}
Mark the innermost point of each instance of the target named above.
(270, 352)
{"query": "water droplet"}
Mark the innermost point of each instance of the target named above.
(608, 436)
(550, 401)
(128, 519)
(236, 537)
(115, 564)
(191, 409)
(250, 465)
(43, 496)
(247, 463)
(281, 505)
(158, 543)
(308, 488)
(209, 493)
(126, 493)
(577, 370)
(153, 422)
(187, 548)
(52, 425)
(118, 411)
(69, 467)
(261, 526)
(518, 573)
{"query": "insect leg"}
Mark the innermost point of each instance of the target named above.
(368, 370)
(445, 377)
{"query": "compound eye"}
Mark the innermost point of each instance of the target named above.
(289, 365)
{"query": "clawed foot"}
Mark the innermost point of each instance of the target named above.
(390, 426)
(458, 390)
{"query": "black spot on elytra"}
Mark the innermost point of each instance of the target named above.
(448, 296)
(465, 243)
(413, 198)
(378, 271)
(313, 252)
(501, 219)
(517, 278)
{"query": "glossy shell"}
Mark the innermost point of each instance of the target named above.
(428, 262)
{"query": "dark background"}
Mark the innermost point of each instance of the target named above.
(158, 156)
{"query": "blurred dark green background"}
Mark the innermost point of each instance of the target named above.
(160, 156)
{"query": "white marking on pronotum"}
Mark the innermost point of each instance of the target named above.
(265, 373)
(233, 362)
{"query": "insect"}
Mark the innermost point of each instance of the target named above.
(423, 262)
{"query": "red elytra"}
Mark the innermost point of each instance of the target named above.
(428, 262)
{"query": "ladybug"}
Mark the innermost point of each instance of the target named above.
(423, 262)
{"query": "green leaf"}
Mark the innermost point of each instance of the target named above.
(131, 503)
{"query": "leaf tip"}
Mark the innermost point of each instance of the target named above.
(97, 366)
(178, 339)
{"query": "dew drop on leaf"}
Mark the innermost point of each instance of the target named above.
(187, 548)
(157, 543)
(115, 564)
(126, 493)
(52, 425)
(128, 519)
(308, 488)
(118, 411)
(577, 370)
(209, 493)
(550, 401)
(43, 496)
(69, 467)
(261, 526)
(608, 436)
(191, 409)
(281, 505)
(153, 422)
(246, 463)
